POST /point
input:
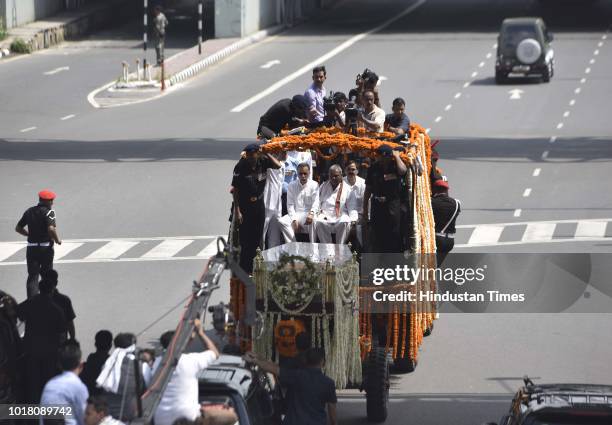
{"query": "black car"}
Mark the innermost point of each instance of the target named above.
(560, 404)
(524, 50)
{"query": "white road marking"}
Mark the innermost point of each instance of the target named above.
(587, 71)
(324, 58)
(495, 46)
(167, 248)
(474, 74)
(600, 44)
(603, 37)
(536, 172)
(64, 249)
(591, 229)
(596, 52)
(553, 139)
(572, 102)
(67, 117)
(209, 250)
(538, 232)
(577, 91)
(489, 55)
(527, 192)
(582, 80)
(25, 130)
(111, 250)
(592, 61)
(566, 114)
(57, 70)
(270, 64)
(438, 118)
(457, 95)
(517, 212)
(485, 234)
(545, 154)
(515, 94)
(559, 126)
(427, 130)
(481, 64)
(381, 78)
(448, 107)
(466, 85)
(7, 249)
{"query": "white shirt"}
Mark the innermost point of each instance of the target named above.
(302, 157)
(181, 396)
(302, 198)
(327, 201)
(355, 199)
(67, 389)
(273, 189)
(377, 115)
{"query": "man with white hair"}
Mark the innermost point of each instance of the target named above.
(333, 216)
(302, 203)
(355, 200)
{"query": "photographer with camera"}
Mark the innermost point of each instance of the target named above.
(291, 112)
(372, 117)
(334, 106)
(366, 81)
(315, 96)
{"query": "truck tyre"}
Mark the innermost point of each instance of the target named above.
(377, 387)
(548, 72)
(404, 365)
(500, 77)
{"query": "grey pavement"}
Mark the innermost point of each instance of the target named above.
(162, 169)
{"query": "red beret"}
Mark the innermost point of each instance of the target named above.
(46, 195)
(441, 183)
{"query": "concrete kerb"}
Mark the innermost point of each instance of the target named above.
(196, 68)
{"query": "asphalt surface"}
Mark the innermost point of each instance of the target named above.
(161, 169)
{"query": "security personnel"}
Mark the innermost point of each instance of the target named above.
(248, 185)
(41, 233)
(383, 186)
(445, 212)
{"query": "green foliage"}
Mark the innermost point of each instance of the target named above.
(2, 30)
(20, 46)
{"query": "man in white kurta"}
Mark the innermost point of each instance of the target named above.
(272, 197)
(333, 215)
(302, 202)
(355, 200)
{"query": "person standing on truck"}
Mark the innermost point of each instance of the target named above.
(41, 233)
(315, 95)
(445, 212)
(160, 22)
(248, 182)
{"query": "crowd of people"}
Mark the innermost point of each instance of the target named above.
(295, 196)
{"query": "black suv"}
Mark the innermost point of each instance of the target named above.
(560, 404)
(523, 49)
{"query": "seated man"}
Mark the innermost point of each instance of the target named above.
(355, 200)
(373, 117)
(333, 215)
(302, 201)
(398, 122)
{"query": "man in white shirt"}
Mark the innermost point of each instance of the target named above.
(180, 398)
(67, 389)
(333, 215)
(272, 197)
(355, 200)
(302, 201)
(373, 118)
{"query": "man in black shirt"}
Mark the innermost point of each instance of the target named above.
(383, 186)
(248, 186)
(41, 234)
(62, 301)
(309, 390)
(398, 122)
(445, 212)
(291, 112)
(44, 326)
(95, 361)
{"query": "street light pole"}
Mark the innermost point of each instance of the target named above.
(144, 34)
(200, 27)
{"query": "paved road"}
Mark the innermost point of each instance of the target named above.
(161, 170)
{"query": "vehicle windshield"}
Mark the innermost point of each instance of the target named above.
(579, 418)
(512, 35)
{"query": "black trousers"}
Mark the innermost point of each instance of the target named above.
(251, 229)
(39, 369)
(386, 218)
(39, 259)
(444, 245)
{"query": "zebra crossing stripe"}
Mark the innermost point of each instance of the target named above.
(539, 232)
(64, 249)
(486, 234)
(111, 250)
(591, 229)
(167, 248)
(209, 251)
(7, 249)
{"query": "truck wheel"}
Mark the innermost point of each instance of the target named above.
(377, 389)
(405, 365)
(500, 78)
(548, 73)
